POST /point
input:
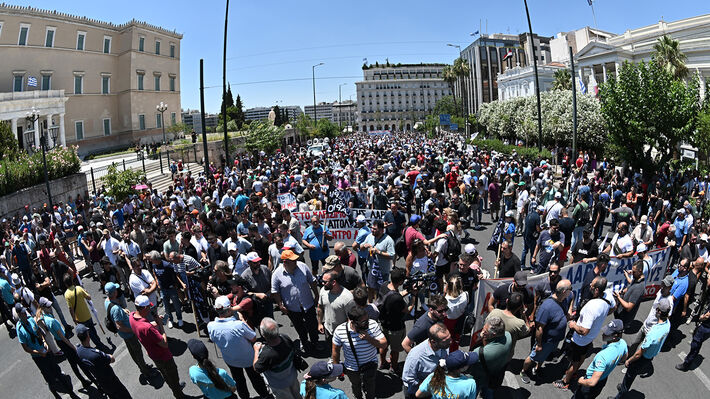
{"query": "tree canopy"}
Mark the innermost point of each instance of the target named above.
(563, 80)
(263, 136)
(669, 57)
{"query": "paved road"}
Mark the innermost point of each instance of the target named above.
(19, 377)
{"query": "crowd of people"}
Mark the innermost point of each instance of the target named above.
(223, 249)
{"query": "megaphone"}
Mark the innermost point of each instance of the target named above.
(309, 142)
(316, 141)
(326, 140)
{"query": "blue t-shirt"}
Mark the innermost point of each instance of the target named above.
(234, 339)
(324, 391)
(118, 315)
(655, 337)
(550, 314)
(241, 202)
(681, 229)
(200, 378)
(462, 387)
(26, 336)
(680, 286)
(53, 326)
(316, 236)
(362, 234)
(118, 215)
(6, 291)
(607, 359)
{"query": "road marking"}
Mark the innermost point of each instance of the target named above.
(12, 367)
(510, 380)
(701, 376)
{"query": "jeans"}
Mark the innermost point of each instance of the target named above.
(55, 305)
(641, 366)
(701, 334)
(363, 381)
(528, 246)
(171, 295)
(170, 374)
(257, 381)
(306, 324)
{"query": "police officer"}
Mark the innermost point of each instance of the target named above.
(99, 364)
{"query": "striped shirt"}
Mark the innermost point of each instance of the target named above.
(366, 352)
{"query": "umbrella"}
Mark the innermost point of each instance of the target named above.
(140, 186)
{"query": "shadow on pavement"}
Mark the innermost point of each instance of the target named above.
(388, 385)
(505, 392)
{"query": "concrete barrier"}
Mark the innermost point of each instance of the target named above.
(36, 196)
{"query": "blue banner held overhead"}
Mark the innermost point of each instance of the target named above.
(444, 119)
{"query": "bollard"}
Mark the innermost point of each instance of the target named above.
(160, 157)
(93, 181)
(143, 162)
(124, 164)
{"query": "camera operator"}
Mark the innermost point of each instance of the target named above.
(392, 313)
(219, 282)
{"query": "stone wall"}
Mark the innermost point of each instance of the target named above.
(36, 196)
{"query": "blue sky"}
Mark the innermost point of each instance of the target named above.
(280, 40)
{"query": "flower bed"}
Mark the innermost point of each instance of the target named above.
(28, 170)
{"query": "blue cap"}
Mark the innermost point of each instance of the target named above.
(111, 287)
(459, 359)
(323, 369)
(81, 331)
(414, 219)
(613, 327)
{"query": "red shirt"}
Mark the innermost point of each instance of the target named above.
(349, 259)
(149, 336)
(662, 233)
(409, 235)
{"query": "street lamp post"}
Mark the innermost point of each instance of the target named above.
(537, 80)
(314, 92)
(340, 106)
(32, 117)
(162, 107)
(460, 82)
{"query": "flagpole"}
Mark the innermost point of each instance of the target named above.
(591, 4)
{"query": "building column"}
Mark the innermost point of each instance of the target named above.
(604, 71)
(36, 128)
(13, 126)
(62, 134)
(616, 72)
(50, 143)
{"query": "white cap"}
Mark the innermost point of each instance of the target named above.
(253, 257)
(232, 246)
(558, 195)
(509, 214)
(644, 219)
(15, 279)
(142, 301)
(360, 219)
(641, 248)
(222, 302)
(469, 249)
(704, 237)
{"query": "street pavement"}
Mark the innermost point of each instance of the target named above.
(19, 378)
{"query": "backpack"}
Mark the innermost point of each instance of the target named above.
(108, 320)
(583, 218)
(453, 247)
(400, 247)
(380, 304)
(259, 310)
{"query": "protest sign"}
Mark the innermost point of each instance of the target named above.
(287, 201)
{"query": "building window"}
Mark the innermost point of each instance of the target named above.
(105, 84)
(141, 44)
(80, 39)
(107, 127)
(107, 45)
(49, 38)
(24, 32)
(157, 83)
(17, 83)
(140, 81)
(78, 84)
(173, 118)
(0, 28)
(158, 121)
(157, 47)
(172, 83)
(79, 129)
(46, 82)
(172, 51)
(141, 122)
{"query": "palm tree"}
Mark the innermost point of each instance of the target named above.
(461, 70)
(563, 80)
(670, 58)
(450, 77)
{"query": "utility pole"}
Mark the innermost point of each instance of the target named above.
(224, 90)
(314, 93)
(537, 79)
(574, 103)
(202, 117)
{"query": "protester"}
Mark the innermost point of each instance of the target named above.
(214, 382)
(424, 358)
(99, 365)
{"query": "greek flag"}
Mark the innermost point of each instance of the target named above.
(582, 86)
(32, 81)
(364, 60)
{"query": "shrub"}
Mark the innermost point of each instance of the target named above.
(530, 153)
(28, 170)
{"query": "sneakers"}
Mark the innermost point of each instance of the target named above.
(170, 324)
(681, 367)
(180, 323)
(560, 384)
(524, 377)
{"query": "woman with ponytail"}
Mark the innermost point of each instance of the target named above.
(447, 380)
(214, 383)
(316, 381)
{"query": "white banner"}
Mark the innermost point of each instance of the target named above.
(287, 201)
(341, 226)
(575, 273)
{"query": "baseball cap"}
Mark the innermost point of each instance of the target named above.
(521, 278)
(704, 237)
(198, 350)
(110, 287)
(195, 212)
(19, 308)
(641, 248)
(664, 305)
(253, 257)
(509, 214)
(588, 229)
(331, 262)
(142, 301)
(613, 327)
(414, 219)
(460, 359)
(105, 231)
(540, 208)
(558, 195)
(681, 210)
(45, 303)
(360, 219)
(644, 219)
(288, 254)
(222, 302)
(668, 281)
(15, 279)
(323, 369)
(81, 331)
(232, 246)
(469, 249)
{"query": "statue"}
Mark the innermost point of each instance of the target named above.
(272, 116)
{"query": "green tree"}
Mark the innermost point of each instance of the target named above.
(326, 128)
(563, 80)
(447, 105)
(177, 128)
(304, 124)
(262, 136)
(669, 57)
(239, 112)
(462, 69)
(450, 77)
(9, 149)
(649, 113)
(119, 183)
(229, 98)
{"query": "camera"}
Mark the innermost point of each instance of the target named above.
(419, 281)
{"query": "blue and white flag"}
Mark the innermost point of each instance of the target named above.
(32, 81)
(582, 86)
(364, 60)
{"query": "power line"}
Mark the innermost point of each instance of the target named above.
(286, 80)
(332, 58)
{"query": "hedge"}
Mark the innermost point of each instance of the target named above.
(28, 170)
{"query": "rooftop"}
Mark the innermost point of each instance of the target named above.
(400, 65)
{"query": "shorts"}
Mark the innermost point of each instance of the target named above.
(547, 348)
(394, 339)
(578, 353)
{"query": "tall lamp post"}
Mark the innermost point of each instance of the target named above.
(460, 82)
(340, 106)
(162, 107)
(314, 92)
(224, 87)
(537, 80)
(32, 117)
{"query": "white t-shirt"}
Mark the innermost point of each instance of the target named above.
(138, 284)
(440, 248)
(592, 317)
(624, 243)
(553, 210)
(522, 197)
